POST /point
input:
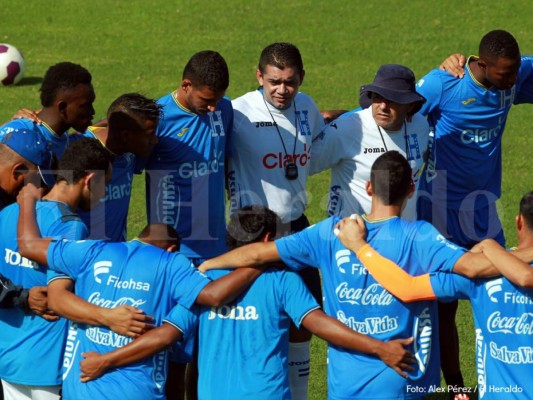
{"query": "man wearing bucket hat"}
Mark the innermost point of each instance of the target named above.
(23, 156)
(350, 144)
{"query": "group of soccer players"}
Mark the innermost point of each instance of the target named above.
(248, 331)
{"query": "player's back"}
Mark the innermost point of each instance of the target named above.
(503, 318)
(244, 344)
(113, 274)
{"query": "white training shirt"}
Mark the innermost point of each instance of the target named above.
(257, 166)
(349, 146)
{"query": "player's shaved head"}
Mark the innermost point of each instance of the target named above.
(160, 235)
(391, 178)
(207, 68)
(526, 209)
(62, 76)
(136, 105)
(281, 55)
(250, 224)
(498, 43)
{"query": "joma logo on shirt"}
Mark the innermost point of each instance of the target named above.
(238, 313)
(14, 258)
(374, 150)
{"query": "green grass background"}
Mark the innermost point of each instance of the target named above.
(142, 46)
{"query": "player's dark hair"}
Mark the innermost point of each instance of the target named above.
(137, 105)
(499, 43)
(82, 157)
(62, 76)
(160, 235)
(207, 68)
(250, 224)
(391, 178)
(526, 209)
(281, 55)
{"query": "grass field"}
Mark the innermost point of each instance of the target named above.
(142, 46)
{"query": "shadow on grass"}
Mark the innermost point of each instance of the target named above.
(30, 81)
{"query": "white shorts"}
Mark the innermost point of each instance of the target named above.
(12, 391)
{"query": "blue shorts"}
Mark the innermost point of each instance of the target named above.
(465, 228)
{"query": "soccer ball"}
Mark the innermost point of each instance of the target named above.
(11, 65)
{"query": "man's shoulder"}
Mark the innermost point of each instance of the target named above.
(20, 123)
(303, 99)
(247, 100)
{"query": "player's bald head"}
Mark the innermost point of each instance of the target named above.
(160, 235)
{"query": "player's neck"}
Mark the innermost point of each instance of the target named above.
(110, 141)
(53, 121)
(65, 193)
(380, 211)
(179, 96)
(525, 240)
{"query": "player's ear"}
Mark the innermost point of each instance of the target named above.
(267, 237)
(369, 189)
(519, 221)
(186, 84)
(302, 74)
(61, 106)
(172, 248)
(259, 76)
(17, 176)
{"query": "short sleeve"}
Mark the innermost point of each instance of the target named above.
(430, 86)
(68, 257)
(301, 250)
(185, 281)
(438, 253)
(296, 298)
(326, 149)
(449, 286)
(184, 320)
(524, 84)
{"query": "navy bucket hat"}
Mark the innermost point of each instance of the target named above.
(393, 82)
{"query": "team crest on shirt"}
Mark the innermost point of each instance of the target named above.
(217, 124)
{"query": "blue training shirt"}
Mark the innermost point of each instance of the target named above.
(361, 303)
(31, 348)
(185, 180)
(111, 274)
(244, 344)
(503, 318)
(464, 169)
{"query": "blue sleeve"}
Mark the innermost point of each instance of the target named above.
(296, 298)
(69, 257)
(185, 281)
(438, 253)
(301, 250)
(430, 86)
(449, 286)
(524, 84)
(184, 320)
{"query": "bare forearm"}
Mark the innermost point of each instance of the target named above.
(72, 307)
(31, 244)
(509, 265)
(339, 334)
(144, 346)
(252, 255)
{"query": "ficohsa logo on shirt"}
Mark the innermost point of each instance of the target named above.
(103, 268)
